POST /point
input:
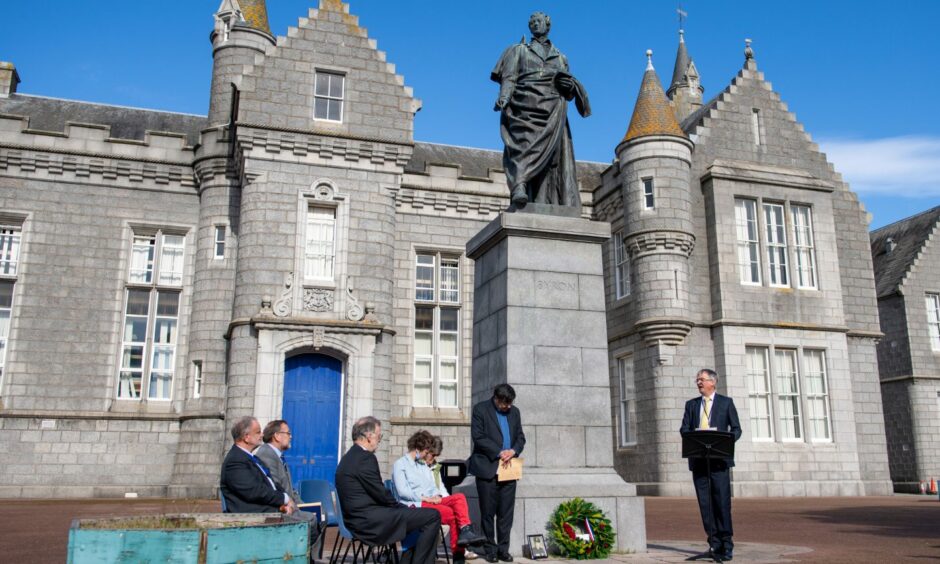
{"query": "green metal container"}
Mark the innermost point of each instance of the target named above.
(197, 538)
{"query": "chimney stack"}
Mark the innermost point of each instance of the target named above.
(8, 79)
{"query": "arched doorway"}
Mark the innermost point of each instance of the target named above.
(313, 397)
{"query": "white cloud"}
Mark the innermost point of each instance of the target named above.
(899, 166)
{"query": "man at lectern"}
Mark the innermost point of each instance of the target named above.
(713, 411)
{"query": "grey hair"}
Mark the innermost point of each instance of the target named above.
(364, 426)
(711, 374)
(241, 426)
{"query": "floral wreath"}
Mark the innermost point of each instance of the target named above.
(580, 530)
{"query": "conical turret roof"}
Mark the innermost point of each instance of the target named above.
(255, 13)
(652, 114)
(683, 60)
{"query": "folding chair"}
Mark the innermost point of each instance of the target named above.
(408, 542)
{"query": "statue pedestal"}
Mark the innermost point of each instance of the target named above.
(539, 324)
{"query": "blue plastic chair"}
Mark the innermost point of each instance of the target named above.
(321, 491)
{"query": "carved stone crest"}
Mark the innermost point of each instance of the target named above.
(318, 299)
(318, 335)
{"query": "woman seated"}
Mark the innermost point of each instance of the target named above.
(415, 485)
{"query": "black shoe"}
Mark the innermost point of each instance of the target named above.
(725, 556)
(504, 557)
(469, 537)
(490, 558)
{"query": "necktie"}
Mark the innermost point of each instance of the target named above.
(284, 462)
(703, 423)
(267, 473)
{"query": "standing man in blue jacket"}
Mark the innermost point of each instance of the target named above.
(713, 411)
(497, 438)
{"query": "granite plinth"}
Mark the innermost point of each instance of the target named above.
(540, 325)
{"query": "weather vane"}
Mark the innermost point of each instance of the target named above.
(682, 15)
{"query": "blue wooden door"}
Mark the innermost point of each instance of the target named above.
(312, 399)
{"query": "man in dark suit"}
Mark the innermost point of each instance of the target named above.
(712, 411)
(496, 432)
(246, 483)
(369, 510)
(276, 437)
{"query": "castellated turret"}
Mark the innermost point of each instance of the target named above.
(241, 31)
(655, 159)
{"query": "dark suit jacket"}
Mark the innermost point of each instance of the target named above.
(270, 458)
(723, 416)
(245, 487)
(488, 439)
(369, 511)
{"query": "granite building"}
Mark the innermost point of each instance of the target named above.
(297, 253)
(907, 278)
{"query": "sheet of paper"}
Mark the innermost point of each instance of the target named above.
(511, 471)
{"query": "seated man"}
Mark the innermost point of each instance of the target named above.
(246, 484)
(369, 511)
(416, 486)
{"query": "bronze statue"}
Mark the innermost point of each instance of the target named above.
(534, 91)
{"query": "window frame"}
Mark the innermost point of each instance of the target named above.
(804, 245)
(649, 193)
(932, 304)
(803, 396)
(197, 379)
(219, 243)
(434, 300)
(752, 245)
(772, 244)
(341, 99)
(308, 258)
(765, 396)
(11, 247)
(158, 284)
(626, 408)
(621, 266)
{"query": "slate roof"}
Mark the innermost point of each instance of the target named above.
(51, 114)
(255, 13)
(909, 236)
(652, 115)
(478, 162)
(682, 64)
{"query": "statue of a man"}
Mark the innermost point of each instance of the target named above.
(534, 90)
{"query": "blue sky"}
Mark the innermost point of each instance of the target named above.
(860, 75)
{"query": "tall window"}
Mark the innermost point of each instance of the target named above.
(799, 379)
(328, 96)
(437, 330)
(621, 266)
(321, 244)
(151, 317)
(627, 402)
(776, 244)
(219, 243)
(788, 394)
(9, 250)
(933, 320)
(197, 379)
(9, 261)
(755, 126)
(745, 215)
(649, 201)
(6, 312)
(758, 386)
(804, 246)
(817, 394)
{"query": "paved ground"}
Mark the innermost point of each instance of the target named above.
(867, 529)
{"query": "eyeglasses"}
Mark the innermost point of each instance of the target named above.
(288, 433)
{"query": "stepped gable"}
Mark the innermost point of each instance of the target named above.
(52, 114)
(278, 89)
(909, 236)
(478, 162)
